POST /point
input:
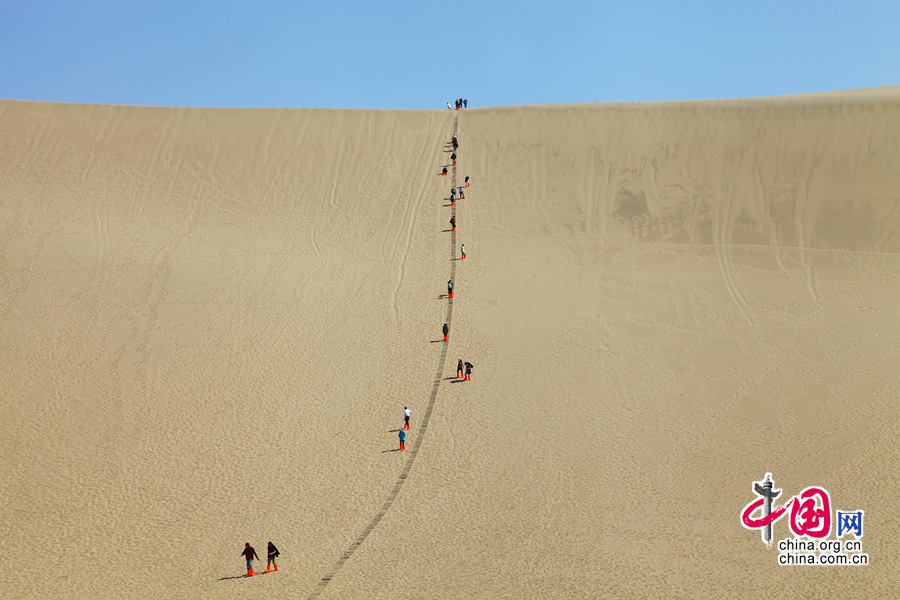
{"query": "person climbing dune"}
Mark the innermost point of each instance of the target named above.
(249, 554)
(272, 554)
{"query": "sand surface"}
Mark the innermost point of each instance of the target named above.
(211, 320)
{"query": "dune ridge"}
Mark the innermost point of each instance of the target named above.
(212, 319)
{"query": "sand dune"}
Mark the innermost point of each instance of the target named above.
(212, 319)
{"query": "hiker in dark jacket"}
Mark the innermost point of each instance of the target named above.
(469, 370)
(273, 554)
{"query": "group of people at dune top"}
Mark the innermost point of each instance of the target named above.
(460, 103)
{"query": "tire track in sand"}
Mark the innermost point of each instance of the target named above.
(414, 450)
(722, 243)
(408, 227)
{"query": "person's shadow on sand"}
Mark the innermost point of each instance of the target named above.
(243, 576)
(391, 450)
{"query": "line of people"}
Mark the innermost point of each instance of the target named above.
(460, 103)
(407, 413)
(463, 369)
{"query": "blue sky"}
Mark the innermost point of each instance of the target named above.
(422, 54)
